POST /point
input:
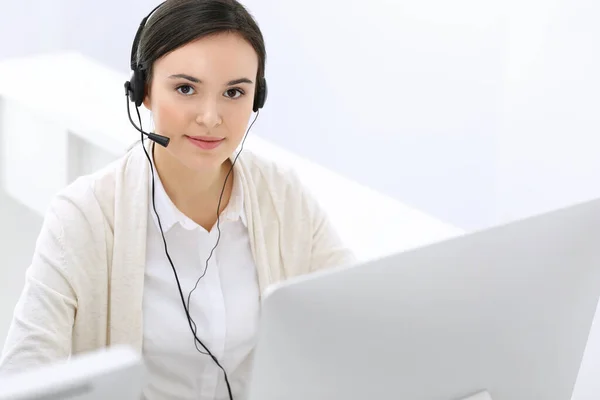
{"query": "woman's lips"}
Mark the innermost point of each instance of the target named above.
(205, 142)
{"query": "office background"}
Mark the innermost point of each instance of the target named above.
(474, 112)
(477, 112)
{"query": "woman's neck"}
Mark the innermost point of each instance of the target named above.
(193, 193)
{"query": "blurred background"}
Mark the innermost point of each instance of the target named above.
(476, 112)
(448, 117)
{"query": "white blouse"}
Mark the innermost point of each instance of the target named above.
(224, 306)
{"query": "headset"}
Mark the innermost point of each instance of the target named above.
(135, 91)
(135, 87)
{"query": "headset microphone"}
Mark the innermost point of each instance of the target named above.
(160, 139)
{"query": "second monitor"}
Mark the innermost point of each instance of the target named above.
(507, 311)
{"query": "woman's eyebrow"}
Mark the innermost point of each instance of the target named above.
(196, 80)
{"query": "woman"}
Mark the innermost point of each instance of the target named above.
(173, 263)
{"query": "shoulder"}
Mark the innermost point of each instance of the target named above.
(306, 239)
(278, 189)
(90, 199)
(77, 228)
(269, 176)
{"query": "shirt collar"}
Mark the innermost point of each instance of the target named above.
(170, 214)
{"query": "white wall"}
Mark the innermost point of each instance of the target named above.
(548, 152)
(478, 112)
(23, 21)
(404, 93)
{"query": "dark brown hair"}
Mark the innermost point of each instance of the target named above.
(178, 22)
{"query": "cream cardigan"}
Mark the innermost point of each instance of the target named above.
(84, 286)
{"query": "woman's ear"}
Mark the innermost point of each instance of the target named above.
(147, 103)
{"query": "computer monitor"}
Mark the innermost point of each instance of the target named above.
(501, 314)
(115, 373)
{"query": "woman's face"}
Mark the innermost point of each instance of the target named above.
(201, 97)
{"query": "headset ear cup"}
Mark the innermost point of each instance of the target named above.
(137, 84)
(264, 93)
(261, 95)
(130, 90)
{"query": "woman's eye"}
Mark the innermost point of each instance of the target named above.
(234, 93)
(185, 90)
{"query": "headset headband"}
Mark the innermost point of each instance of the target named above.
(136, 40)
(134, 88)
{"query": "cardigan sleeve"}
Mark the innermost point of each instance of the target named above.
(327, 250)
(43, 319)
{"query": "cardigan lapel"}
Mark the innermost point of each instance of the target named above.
(267, 268)
(129, 250)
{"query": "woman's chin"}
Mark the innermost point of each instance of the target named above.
(204, 161)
